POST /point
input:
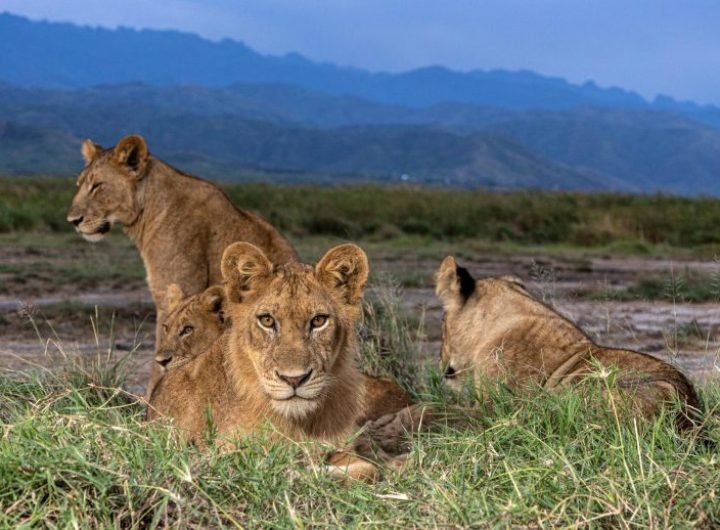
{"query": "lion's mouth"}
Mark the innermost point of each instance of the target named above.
(294, 403)
(294, 396)
(296, 407)
(97, 233)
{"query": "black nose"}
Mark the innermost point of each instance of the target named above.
(163, 359)
(450, 372)
(295, 381)
(75, 220)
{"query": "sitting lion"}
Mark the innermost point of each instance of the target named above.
(192, 326)
(180, 224)
(494, 329)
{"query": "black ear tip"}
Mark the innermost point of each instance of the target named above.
(466, 281)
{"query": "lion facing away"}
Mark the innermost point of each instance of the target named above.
(494, 329)
(194, 323)
(180, 224)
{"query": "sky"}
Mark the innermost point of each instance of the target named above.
(650, 46)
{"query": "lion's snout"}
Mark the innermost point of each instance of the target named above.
(75, 219)
(163, 358)
(294, 379)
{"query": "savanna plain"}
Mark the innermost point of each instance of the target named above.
(638, 272)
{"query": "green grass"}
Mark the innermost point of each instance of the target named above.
(682, 287)
(75, 452)
(621, 224)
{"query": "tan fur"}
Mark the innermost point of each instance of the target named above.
(493, 329)
(205, 314)
(382, 396)
(238, 382)
(190, 328)
(180, 224)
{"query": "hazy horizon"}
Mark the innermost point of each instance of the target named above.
(648, 47)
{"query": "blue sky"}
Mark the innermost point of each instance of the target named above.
(651, 46)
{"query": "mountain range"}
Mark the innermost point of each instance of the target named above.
(222, 110)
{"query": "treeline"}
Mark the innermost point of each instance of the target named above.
(378, 212)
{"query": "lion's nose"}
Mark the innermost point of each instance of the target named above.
(75, 219)
(450, 372)
(163, 359)
(295, 380)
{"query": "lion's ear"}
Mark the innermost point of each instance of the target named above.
(213, 298)
(453, 284)
(89, 151)
(173, 296)
(243, 267)
(346, 269)
(132, 153)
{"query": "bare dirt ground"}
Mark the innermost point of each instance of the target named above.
(62, 298)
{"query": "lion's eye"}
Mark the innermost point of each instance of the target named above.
(95, 186)
(266, 321)
(318, 321)
(184, 332)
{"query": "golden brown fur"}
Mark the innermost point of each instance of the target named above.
(180, 224)
(493, 329)
(192, 326)
(288, 358)
(382, 396)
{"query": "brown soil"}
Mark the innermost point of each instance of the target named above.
(61, 313)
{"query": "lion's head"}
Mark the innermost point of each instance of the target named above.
(465, 317)
(191, 326)
(293, 327)
(107, 187)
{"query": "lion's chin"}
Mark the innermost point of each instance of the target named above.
(93, 238)
(295, 408)
(98, 234)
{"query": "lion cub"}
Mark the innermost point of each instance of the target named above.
(495, 329)
(288, 357)
(192, 326)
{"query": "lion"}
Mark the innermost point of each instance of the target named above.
(194, 323)
(191, 326)
(494, 329)
(180, 224)
(288, 360)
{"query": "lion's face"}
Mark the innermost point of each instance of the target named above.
(107, 187)
(191, 326)
(293, 321)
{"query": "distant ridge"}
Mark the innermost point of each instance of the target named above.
(63, 55)
(223, 111)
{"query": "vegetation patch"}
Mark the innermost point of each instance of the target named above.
(688, 286)
(627, 224)
(75, 452)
